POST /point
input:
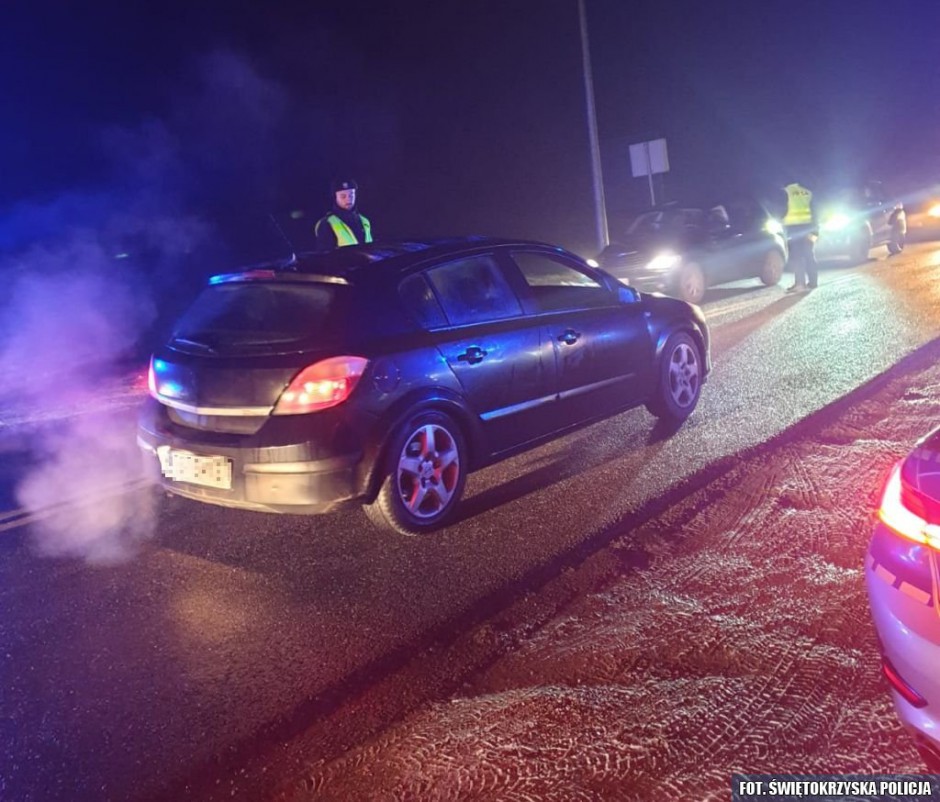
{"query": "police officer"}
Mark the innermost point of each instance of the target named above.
(801, 234)
(344, 225)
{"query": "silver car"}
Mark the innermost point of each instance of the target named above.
(901, 570)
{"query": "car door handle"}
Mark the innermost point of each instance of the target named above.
(472, 355)
(570, 337)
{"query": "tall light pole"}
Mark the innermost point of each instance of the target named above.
(600, 210)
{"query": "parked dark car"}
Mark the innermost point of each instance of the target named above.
(901, 570)
(853, 221)
(384, 373)
(683, 250)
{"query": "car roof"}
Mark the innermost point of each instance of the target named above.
(704, 204)
(400, 255)
(672, 206)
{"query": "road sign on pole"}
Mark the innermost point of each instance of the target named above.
(647, 158)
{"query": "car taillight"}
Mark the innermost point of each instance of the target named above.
(904, 514)
(321, 385)
(900, 684)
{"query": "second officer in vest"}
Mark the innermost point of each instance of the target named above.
(344, 225)
(800, 224)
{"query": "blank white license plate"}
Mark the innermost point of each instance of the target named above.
(184, 466)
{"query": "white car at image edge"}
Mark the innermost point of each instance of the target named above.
(901, 574)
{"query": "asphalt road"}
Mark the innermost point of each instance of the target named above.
(728, 634)
(197, 665)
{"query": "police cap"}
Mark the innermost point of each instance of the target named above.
(339, 186)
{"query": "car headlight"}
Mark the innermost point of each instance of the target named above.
(934, 211)
(836, 222)
(773, 226)
(663, 261)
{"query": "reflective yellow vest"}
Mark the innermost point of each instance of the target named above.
(344, 234)
(799, 205)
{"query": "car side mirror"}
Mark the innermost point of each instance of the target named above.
(627, 295)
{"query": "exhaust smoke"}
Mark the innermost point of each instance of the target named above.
(93, 274)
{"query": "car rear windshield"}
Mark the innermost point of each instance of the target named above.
(260, 314)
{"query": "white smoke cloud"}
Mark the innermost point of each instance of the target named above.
(88, 497)
(64, 313)
(85, 280)
(69, 321)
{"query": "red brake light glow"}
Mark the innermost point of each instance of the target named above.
(321, 385)
(899, 516)
(898, 683)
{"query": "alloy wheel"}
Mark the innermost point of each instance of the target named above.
(684, 375)
(428, 471)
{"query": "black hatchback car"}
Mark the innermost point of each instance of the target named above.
(683, 250)
(384, 373)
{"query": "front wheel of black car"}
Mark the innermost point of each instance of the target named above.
(423, 476)
(678, 379)
(771, 270)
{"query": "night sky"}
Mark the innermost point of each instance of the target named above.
(454, 117)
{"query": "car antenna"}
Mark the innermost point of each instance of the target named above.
(293, 253)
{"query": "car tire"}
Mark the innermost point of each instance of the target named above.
(679, 377)
(690, 283)
(423, 476)
(771, 270)
(896, 243)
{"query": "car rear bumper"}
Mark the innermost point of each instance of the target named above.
(908, 629)
(287, 477)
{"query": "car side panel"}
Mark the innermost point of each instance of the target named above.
(603, 359)
(507, 373)
(720, 258)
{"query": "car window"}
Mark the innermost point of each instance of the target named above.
(746, 215)
(556, 285)
(646, 223)
(419, 300)
(672, 220)
(255, 313)
(474, 290)
(858, 197)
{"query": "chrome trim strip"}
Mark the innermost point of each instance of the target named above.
(244, 412)
(547, 399)
(512, 410)
(589, 388)
(306, 467)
